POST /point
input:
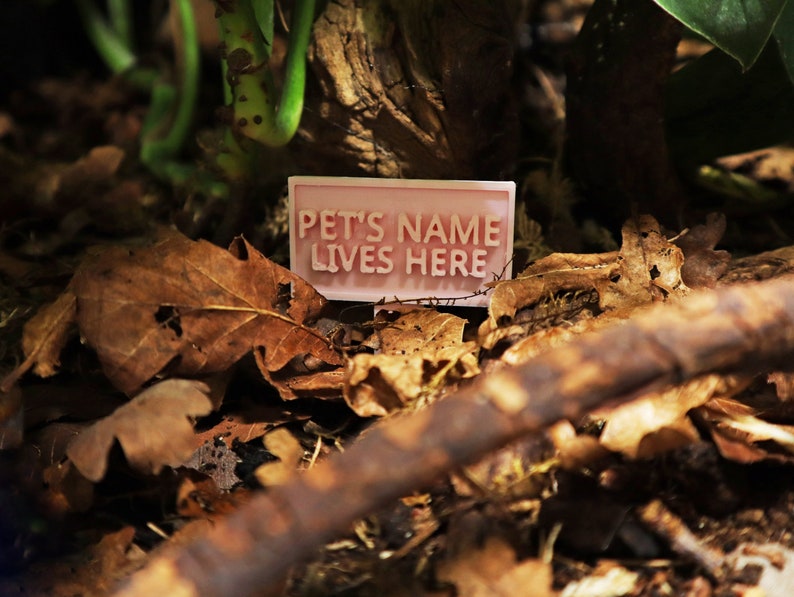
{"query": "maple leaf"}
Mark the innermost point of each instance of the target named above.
(153, 429)
(188, 308)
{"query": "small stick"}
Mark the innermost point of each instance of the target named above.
(682, 541)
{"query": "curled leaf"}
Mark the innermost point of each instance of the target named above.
(417, 351)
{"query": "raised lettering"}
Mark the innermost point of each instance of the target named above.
(435, 229)
(373, 220)
(420, 260)
(384, 255)
(327, 224)
(367, 254)
(457, 235)
(333, 267)
(457, 261)
(348, 216)
(491, 232)
(478, 263)
(404, 224)
(306, 219)
(437, 261)
(317, 264)
(347, 260)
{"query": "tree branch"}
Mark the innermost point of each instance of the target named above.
(745, 328)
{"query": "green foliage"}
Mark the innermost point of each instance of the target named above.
(740, 28)
(713, 109)
(718, 107)
(247, 34)
(172, 106)
(247, 30)
(784, 35)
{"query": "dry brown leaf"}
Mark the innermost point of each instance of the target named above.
(493, 571)
(68, 491)
(193, 308)
(282, 444)
(743, 436)
(658, 422)
(784, 384)
(553, 275)
(607, 580)
(703, 266)
(47, 332)
(100, 164)
(762, 266)
(518, 471)
(647, 268)
(421, 330)
(546, 339)
(154, 430)
(293, 384)
(574, 451)
(198, 496)
(43, 338)
(418, 351)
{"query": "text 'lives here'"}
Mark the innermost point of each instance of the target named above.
(374, 239)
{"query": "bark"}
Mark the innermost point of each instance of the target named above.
(413, 89)
(615, 110)
(743, 328)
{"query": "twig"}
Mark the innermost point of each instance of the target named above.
(743, 327)
(682, 541)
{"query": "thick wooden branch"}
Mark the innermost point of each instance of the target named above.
(745, 328)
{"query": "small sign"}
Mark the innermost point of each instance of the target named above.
(390, 240)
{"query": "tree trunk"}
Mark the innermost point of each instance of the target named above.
(411, 88)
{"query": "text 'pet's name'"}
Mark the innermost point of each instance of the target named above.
(373, 239)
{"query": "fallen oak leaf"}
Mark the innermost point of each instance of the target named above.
(193, 308)
(321, 385)
(154, 430)
(378, 384)
(650, 268)
(283, 445)
(741, 435)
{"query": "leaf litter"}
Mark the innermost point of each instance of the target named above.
(158, 314)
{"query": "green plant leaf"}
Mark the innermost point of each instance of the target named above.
(713, 109)
(784, 36)
(739, 28)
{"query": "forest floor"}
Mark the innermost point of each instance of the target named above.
(107, 466)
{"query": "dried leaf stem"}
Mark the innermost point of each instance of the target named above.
(742, 327)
